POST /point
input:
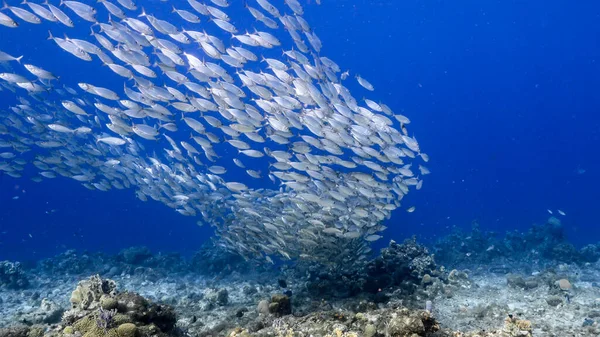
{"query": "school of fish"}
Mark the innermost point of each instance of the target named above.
(198, 99)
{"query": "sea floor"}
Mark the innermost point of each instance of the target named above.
(212, 306)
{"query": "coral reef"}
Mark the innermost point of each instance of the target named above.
(404, 265)
(74, 263)
(135, 255)
(98, 310)
(408, 266)
(403, 291)
(216, 261)
(539, 246)
(89, 292)
(12, 275)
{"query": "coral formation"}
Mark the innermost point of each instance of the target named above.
(12, 275)
(390, 294)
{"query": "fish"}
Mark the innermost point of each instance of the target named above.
(4, 57)
(364, 83)
(337, 166)
(7, 21)
(23, 14)
(39, 72)
(111, 141)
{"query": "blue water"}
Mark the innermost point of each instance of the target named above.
(503, 96)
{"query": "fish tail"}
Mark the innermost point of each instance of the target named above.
(24, 2)
(143, 13)
(5, 5)
(174, 9)
(50, 37)
(18, 59)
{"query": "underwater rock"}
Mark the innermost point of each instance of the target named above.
(72, 263)
(217, 296)
(518, 281)
(131, 314)
(47, 313)
(263, 307)
(370, 330)
(404, 326)
(249, 290)
(280, 305)
(239, 313)
(335, 283)
(15, 331)
(514, 327)
(515, 281)
(540, 243)
(135, 255)
(590, 253)
(12, 275)
(88, 292)
(108, 302)
(554, 301)
(213, 260)
(282, 283)
(397, 263)
(239, 332)
(459, 278)
(337, 322)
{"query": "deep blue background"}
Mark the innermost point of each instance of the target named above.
(503, 96)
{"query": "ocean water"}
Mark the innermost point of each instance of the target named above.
(501, 95)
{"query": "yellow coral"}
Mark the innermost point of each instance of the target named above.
(35, 331)
(127, 330)
(524, 325)
(119, 319)
(89, 328)
(239, 332)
